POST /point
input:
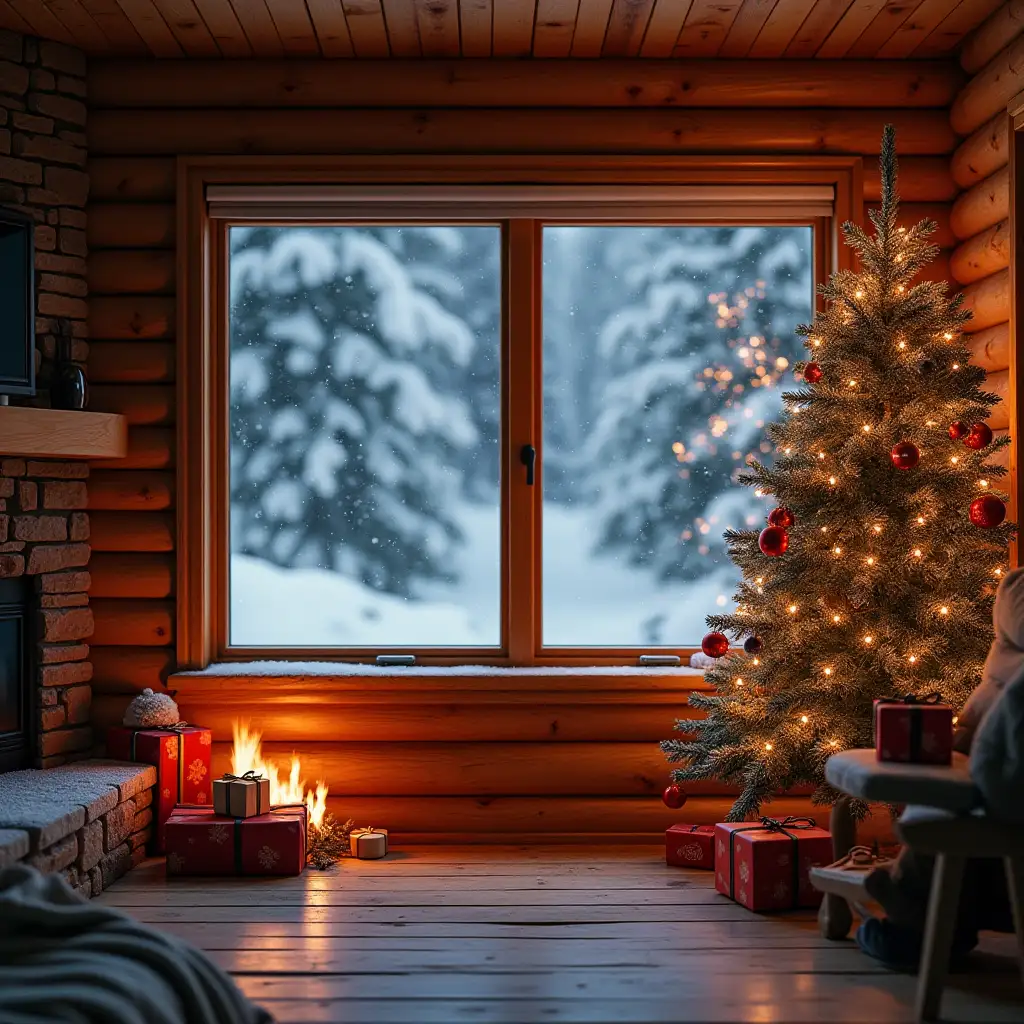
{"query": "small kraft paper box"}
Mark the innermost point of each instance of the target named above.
(690, 846)
(914, 730)
(200, 842)
(368, 843)
(241, 796)
(766, 865)
(181, 754)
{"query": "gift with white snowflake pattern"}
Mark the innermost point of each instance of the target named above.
(766, 865)
(690, 846)
(181, 754)
(914, 730)
(200, 842)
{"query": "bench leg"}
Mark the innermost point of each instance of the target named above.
(938, 936)
(834, 915)
(1015, 883)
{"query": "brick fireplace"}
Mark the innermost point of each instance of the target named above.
(44, 528)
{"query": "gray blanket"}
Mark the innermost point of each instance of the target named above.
(67, 961)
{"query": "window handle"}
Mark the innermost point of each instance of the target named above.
(528, 457)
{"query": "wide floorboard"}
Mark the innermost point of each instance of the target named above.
(522, 934)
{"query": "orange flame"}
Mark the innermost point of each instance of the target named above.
(246, 755)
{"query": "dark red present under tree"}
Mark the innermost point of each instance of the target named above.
(886, 580)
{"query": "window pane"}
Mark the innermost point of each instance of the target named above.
(664, 351)
(364, 436)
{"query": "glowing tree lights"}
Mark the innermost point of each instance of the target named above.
(896, 537)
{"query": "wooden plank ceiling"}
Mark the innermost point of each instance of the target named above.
(503, 28)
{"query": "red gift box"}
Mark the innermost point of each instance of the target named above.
(914, 730)
(182, 758)
(766, 865)
(200, 842)
(690, 846)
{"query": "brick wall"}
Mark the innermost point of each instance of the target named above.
(44, 530)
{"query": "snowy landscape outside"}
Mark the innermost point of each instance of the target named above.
(365, 428)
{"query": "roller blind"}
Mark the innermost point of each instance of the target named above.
(306, 203)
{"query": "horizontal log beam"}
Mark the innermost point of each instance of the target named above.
(132, 531)
(131, 318)
(1000, 28)
(982, 205)
(133, 574)
(131, 226)
(989, 301)
(403, 722)
(136, 490)
(129, 670)
(148, 448)
(998, 383)
(131, 272)
(168, 132)
(142, 404)
(987, 94)
(122, 623)
(990, 348)
(912, 213)
(131, 362)
(517, 816)
(513, 83)
(982, 153)
(923, 179)
(982, 255)
(481, 769)
(128, 179)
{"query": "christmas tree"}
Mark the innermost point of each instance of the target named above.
(877, 571)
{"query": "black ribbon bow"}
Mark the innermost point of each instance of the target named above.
(912, 698)
(250, 776)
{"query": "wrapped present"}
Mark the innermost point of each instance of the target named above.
(181, 754)
(690, 846)
(200, 842)
(241, 796)
(914, 730)
(766, 865)
(368, 843)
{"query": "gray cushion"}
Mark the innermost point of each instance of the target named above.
(859, 773)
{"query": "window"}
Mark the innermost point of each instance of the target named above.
(497, 424)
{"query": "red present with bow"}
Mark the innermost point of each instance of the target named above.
(200, 842)
(766, 865)
(690, 846)
(914, 730)
(181, 754)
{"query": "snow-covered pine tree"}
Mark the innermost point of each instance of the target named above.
(885, 465)
(347, 418)
(695, 359)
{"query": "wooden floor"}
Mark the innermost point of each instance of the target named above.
(526, 934)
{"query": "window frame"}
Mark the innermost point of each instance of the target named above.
(202, 379)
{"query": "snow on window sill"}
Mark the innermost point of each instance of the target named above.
(250, 669)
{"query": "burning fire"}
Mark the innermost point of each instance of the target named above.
(247, 756)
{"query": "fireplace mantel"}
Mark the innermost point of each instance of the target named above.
(62, 434)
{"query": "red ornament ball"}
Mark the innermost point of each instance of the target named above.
(905, 455)
(979, 437)
(753, 645)
(957, 429)
(674, 796)
(773, 541)
(714, 645)
(781, 516)
(987, 511)
(812, 373)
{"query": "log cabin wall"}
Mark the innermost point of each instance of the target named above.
(469, 759)
(979, 220)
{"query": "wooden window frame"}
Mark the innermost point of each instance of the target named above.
(202, 392)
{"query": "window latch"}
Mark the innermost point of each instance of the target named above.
(528, 457)
(660, 660)
(396, 659)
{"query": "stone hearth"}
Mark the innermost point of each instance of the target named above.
(90, 821)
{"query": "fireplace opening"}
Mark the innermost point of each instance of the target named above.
(17, 707)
